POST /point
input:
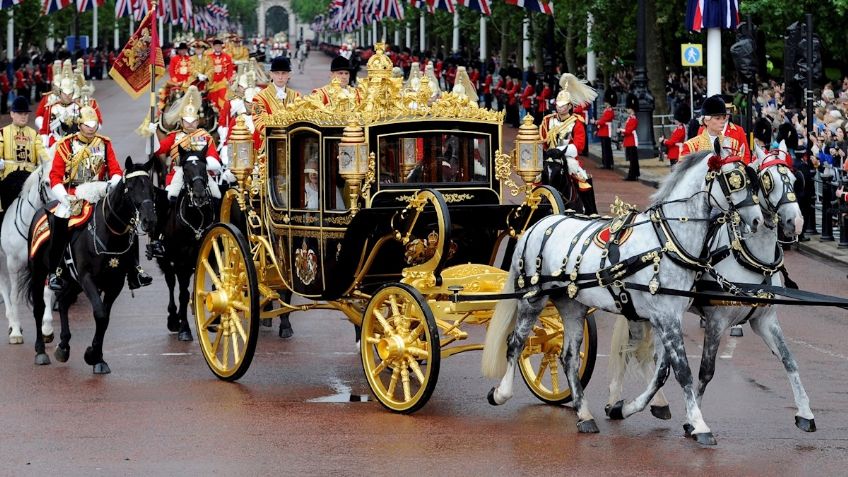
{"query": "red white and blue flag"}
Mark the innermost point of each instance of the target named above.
(542, 6)
(703, 14)
(393, 9)
(8, 3)
(441, 5)
(86, 5)
(482, 6)
(52, 6)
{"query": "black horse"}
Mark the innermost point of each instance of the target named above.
(185, 222)
(555, 174)
(99, 253)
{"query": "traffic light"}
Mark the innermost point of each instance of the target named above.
(744, 53)
(803, 65)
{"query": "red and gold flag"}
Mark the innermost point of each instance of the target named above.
(131, 69)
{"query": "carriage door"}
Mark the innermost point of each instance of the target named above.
(306, 185)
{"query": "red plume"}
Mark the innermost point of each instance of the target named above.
(714, 163)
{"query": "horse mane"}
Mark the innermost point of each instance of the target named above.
(680, 170)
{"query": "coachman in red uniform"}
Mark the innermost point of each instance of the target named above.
(714, 122)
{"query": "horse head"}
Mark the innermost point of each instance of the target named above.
(778, 192)
(196, 179)
(555, 174)
(139, 189)
(736, 193)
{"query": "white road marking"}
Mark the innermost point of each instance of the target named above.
(728, 350)
(816, 348)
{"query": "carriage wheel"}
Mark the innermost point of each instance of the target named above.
(400, 348)
(226, 301)
(540, 366)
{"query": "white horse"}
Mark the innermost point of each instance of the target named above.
(662, 251)
(756, 260)
(14, 248)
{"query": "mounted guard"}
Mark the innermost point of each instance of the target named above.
(222, 73)
(180, 75)
(21, 151)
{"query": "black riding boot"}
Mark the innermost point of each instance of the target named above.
(58, 241)
(588, 199)
(155, 248)
(136, 276)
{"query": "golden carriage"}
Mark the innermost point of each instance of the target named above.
(393, 210)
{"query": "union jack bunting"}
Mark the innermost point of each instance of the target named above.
(140, 9)
(8, 3)
(123, 8)
(543, 6)
(51, 6)
(441, 5)
(393, 9)
(87, 5)
(482, 6)
(701, 14)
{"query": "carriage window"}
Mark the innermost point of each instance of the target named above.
(337, 196)
(306, 160)
(434, 157)
(279, 175)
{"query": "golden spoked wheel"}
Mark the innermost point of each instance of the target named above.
(226, 301)
(540, 366)
(400, 348)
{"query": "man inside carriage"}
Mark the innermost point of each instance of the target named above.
(81, 158)
(563, 128)
(186, 139)
(21, 150)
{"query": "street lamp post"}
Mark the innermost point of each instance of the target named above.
(645, 113)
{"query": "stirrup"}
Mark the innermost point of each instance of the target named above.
(55, 281)
(138, 279)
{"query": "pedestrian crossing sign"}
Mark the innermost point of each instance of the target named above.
(691, 54)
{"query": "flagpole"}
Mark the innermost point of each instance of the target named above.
(153, 6)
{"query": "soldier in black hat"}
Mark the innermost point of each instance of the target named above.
(603, 128)
(674, 143)
(339, 71)
(714, 121)
(630, 141)
(762, 137)
(276, 96)
(21, 150)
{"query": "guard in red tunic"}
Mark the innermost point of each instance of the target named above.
(179, 71)
(674, 143)
(542, 103)
(563, 128)
(222, 72)
(631, 139)
(604, 124)
(80, 158)
(188, 138)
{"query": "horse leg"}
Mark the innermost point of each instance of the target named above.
(16, 335)
(768, 328)
(714, 325)
(94, 354)
(39, 275)
(286, 330)
(171, 281)
(656, 379)
(47, 322)
(528, 313)
(185, 281)
(573, 315)
(669, 331)
(63, 349)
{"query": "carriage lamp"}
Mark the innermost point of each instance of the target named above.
(241, 152)
(353, 161)
(528, 152)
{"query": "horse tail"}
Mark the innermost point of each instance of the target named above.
(625, 348)
(501, 324)
(25, 283)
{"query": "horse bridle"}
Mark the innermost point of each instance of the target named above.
(787, 196)
(188, 185)
(132, 222)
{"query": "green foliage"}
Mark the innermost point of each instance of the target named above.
(307, 10)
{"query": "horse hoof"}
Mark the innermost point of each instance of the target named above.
(736, 332)
(616, 412)
(687, 429)
(266, 322)
(806, 425)
(588, 427)
(102, 368)
(185, 336)
(173, 323)
(16, 339)
(705, 439)
(42, 359)
(48, 338)
(491, 397)
(62, 354)
(89, 357)
(286, 332)
(661, 412)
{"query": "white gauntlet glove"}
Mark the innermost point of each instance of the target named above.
(60, 194)
(248, 122)
(114, 180)
(2, 164)
(202, 77)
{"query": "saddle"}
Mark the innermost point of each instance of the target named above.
(41, 227)
(611, 231)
